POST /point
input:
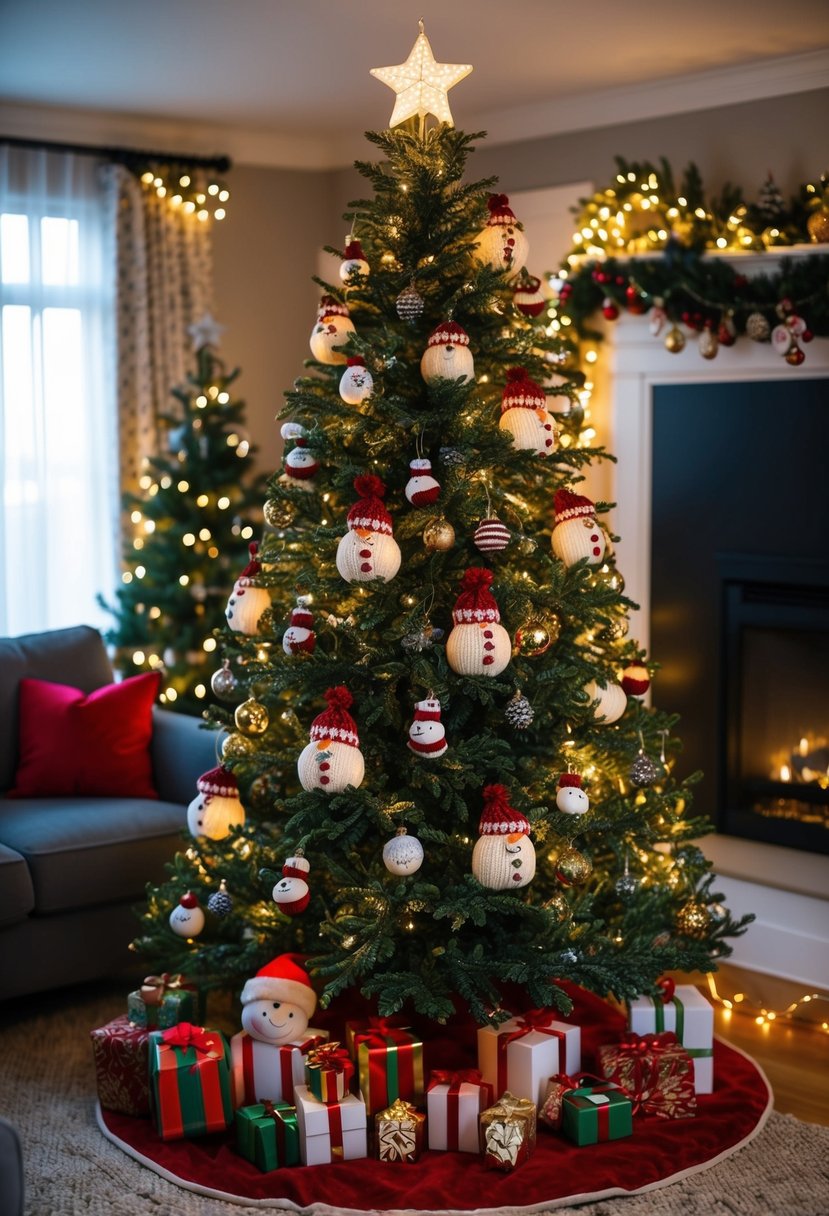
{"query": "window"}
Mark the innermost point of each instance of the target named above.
(58, 454)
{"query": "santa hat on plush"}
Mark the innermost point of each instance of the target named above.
(500, 211)
(336, 723)
(476, 602)
(448, 333)
(568, 505)
(253, 567)
(354, 252)
(369, 511)
(218, 783)
(499, 818)
(331, 307)
(521, 392)
(282, 979)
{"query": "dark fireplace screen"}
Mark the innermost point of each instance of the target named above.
(776, 708)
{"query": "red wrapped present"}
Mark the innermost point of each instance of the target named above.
(655, 1071)
(328, 1072)
(121, 1053)
(189, 1081)
(454, 1100)
(389, 1059)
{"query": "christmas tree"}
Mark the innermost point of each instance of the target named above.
(199, 504)
(449, 776)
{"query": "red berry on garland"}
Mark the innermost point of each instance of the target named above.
(609, 310)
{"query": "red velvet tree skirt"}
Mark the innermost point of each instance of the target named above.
(658, 1152)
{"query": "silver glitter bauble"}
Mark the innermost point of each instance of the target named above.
(451, 456)
(220, 902)
(626, 886)
(757, 327)
(643, 771)
(519, 713)
(224, 683)
(409, 304)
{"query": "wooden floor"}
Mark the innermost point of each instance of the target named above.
(794, 1055)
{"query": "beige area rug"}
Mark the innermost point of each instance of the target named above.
(47, 1089)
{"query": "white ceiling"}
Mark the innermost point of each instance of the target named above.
(287, 81)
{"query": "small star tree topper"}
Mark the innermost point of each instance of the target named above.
(421, 84)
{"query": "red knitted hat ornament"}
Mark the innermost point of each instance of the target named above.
(301, 616)
(573, 779)
(568, 505)
(521, 392)
(356, 361)
(252, 568)
(218, 781)
(336, 723)
(296, 867)
(499, 818)
(475, 602)
(448, 333)
(500, 211)
(330, 307)
(354, 251)
(370, 512)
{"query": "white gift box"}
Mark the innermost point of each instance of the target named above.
(471, 1100)
(532, 1059)
(268, 1072)
(315, 1121)
(691, 1018)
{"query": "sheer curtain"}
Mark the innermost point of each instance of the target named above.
(58, 421)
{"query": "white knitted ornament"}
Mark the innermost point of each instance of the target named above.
(368, 550)
(524, 414)
(447, 355)
(503, 858)
(427, 736)
(421, 488)
(246, 602)
(356, 382)
(612, 701)
(299, 637)
(292, 892)
(502, 244)
(478, 645)
(577, 536)
(332, 760)
(354, 265)
(301, 464)
(216, 809)
(332, 330)
(528, 297)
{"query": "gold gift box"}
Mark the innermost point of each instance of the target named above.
(507, 1132)
(399, 1132)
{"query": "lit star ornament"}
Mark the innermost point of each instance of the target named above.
(205, 332)
(421, 84)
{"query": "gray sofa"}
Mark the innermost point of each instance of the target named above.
(73, 869)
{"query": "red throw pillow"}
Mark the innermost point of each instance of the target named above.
(96, 744)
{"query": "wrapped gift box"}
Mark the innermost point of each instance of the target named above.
(268, 1072)
(121, 1053)
(454, 1101)
(333, 1132)
(189, 1081)
(399, 1132)
(389, 1061)
(268, 1134)
(655, 1071)
(163, 1001)
(690, 1016)
(522, 1054)
(594, 1113)
(328, 1072)
(507, 1132)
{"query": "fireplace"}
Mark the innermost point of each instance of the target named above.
(774, 701)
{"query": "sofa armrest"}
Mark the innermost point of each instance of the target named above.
(182, 749)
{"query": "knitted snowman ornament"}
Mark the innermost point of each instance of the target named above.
(421, 488)
(354, 265)
(292, 892)
(611, 701)
(356, 382)
(576, 535)
(447, 355)
(502, 244)
(278, 1002)
(368, 550)
(301, 464)
(247, 602)
(524, 414)
(503, 857)
(528, 297)
(187, 918)
(332, 760)
(426, 734)
(332, 330)
(477, 644)
(299, 637)
(571, 798)
(216, 809)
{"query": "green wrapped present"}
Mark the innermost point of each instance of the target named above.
(163, 1001)
(594, 1113)
(189, 1081)
(267, 1134)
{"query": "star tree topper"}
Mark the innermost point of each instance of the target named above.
(421, 84)
(205, 332)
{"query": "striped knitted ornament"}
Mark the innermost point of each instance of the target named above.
(476, 602)
(335, 722)
(369, 511)
(499, 818)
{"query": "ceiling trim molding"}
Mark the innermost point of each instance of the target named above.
(754, 81)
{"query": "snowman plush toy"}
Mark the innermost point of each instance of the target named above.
(332, 760)
(576, 535)
(368, 550)
(216, 809)
(247, 602)
(503, 858)
(478, 644)
(427, 736)
(292, 892)
(571, 798)
(447, 355)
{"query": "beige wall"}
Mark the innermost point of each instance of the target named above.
(266, 251)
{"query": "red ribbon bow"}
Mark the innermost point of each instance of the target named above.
(443, 1076)
(331, 1056)
(186, 1035)
(646, 1044)
(386, 1025)
(668, 987)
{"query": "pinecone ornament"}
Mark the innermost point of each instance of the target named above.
(643, 771)
(409, 304)
(519, 713)
(220, 902)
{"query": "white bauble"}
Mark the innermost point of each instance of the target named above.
(428, 739)
(356, 384)
(576, 539)
(330, 766)
(301, 465)
(503, 862)
(214, 816)
(612, 701)
(187, 918)
(353, 268)
(572, 800)
(297, 638)
(274, 1022)
(503, 247)
(362, 556)
(531, 430)
(244, 608)
(403, 854)
(479, 649)
(292, 895)
(328, 335)
(447, 362)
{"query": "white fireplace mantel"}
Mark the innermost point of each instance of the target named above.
(787, 889)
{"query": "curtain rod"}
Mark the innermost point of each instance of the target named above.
(123, 156)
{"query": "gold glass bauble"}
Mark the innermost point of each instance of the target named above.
(251, 717)
(572, 867)
(236, 746)
(264, 790)
(693, 919)
(558, 906)
(439, 534)
(818, 226)
(675, 340)
(277, 512)
(606, 575)
(537, 635)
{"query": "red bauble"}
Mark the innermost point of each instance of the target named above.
(726, 335)
(806, 335)
(609, 310)
(635, 680)
(634, 301)
(795, 356)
